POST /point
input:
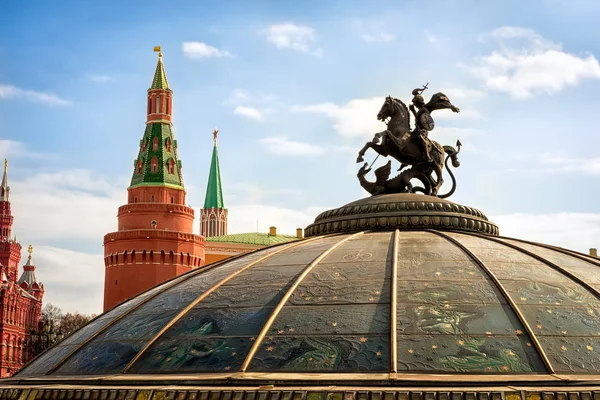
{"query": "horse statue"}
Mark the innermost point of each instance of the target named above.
(413, 148)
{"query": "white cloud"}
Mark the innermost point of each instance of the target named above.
(8, 92)
(291, 36)
(249, 112)
(101, 78)
(527, 64)
(240, 96)
(380, 37)
(66, 205)
(243, 218)
(560, 163)
(357, 118)
(430, 38)
(200, 50)
(12, 149)
(575, 231)
(73, 281)
(283, 147)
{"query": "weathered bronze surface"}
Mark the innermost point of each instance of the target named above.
(410, 148)
(400, 211)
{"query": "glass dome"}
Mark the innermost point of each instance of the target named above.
(437, 299)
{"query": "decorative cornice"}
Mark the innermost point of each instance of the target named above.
(401, 211)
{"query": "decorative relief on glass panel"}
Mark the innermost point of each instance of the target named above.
(260, 274)
(338, 319)
(441, 292)
(202, 354)
(351, 271)
(372, 248)
(321, 244)
(144, 326)
(573, 354)
(323, 354)
(564, 292)
(250, 295)
(413, 269)
(474, 354)
(341, 292)
(556, 257)
(100, 358)
(457, 319)
(46, 361)
(200, 322)
(563, 321)
(87, 331)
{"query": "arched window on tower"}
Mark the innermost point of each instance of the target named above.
(143, 144)
(139, 166)
(168, 145)
(212, 226)
(158, 104)
(155, 144)
(154, 165)
(171, 166)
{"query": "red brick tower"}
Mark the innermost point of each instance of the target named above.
(155, 239)
(20, 300)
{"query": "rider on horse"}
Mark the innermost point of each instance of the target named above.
(423, 122)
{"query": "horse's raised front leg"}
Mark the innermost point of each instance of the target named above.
(379, 149)
(362, 152)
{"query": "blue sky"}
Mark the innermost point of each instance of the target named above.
(294, 88)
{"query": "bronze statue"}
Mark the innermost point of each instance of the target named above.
(413, 148)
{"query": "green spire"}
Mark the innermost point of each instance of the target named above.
(160, 78)
(214, 193)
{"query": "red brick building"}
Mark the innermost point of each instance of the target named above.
(20, 297)
(155, 240)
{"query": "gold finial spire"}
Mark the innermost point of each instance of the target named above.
(157, 49)
(215, 134)
(5, 164)
(30, 250)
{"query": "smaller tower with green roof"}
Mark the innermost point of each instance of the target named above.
(213, 217)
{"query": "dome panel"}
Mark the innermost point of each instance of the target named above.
(464, 303)
(573, 354)
(472, 332)
(55, 354)
(331, 353)
(588, 271)
(549, 317)
(235, 329)
(468, 354)
(126, 336)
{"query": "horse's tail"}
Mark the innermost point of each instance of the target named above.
(452, 154)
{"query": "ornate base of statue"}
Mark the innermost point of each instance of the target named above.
(400, 211)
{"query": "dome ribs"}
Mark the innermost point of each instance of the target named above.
(394, 305)
(504, 292)
(549, 263)
(205, 294)
(287, 296)
(573, 253)
(167, 285)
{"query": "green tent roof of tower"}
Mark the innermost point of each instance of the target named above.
(157, 163)
(160, 78)
(214, 193)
